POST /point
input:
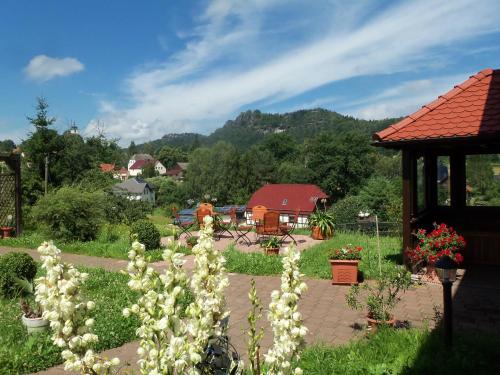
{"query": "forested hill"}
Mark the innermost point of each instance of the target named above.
(250, 127)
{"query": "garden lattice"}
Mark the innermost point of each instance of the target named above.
(10, 191)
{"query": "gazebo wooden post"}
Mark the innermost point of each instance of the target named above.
(408, 173)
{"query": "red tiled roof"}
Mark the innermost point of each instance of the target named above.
(470, 109)
(139, 164)
(296, 196)
(107, 167)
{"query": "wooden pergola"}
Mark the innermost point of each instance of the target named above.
(436, 143)
(10, 189)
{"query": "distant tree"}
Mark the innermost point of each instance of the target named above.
(72, 161)
(257, 167)
(7, 145)
(281, 145)
(148, 148)
(149, 171)
(167, 191)
(292, 172)
(169, 156)
(43, 142)
(132, 149)
(41, 120)
(213, 171)
(94, 180)
(104, 150)
(382, 197)
(339, 164)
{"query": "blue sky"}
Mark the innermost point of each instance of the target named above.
(138, 70)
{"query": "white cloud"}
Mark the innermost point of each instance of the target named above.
(402, 99)
(229, 63)
(43, 68)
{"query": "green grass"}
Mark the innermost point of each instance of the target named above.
(22, 353)
(111, 242)
(314, 261)
(412, 351)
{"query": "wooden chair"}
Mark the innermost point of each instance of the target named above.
(271, 224)
(258, 218)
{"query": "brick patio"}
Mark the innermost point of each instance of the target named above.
(476, 305)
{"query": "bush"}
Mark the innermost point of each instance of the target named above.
(71, 214)
(19, 265)
(122, 210)
(147, 234)
(345, 211)
(382, 197)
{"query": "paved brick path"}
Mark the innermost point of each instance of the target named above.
(476, 304)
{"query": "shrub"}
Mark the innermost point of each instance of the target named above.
(346, 210)
(12, 265)
(70, 213)
(122, 210)
(147, 234)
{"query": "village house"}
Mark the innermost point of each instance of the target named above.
(138, 162)
(178, 171)
(287, 199)
(135, 189)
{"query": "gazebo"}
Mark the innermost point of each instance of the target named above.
(10, 189)
(451, 165)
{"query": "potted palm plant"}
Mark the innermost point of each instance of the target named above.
(32, 312)
(272, 245)
(321, 224)
(344, 262)
(381, 296)
(8, 227)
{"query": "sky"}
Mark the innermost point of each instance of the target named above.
(137, 70)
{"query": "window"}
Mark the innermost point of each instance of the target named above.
(285, 202)
(482, 174)
(443, 181)
(420, 184)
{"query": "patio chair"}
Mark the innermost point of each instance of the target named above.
(258, 213)
(185, 224)
(289, 227)
(222, 224)
(241, 230)
(270, 226)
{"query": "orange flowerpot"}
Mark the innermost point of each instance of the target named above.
(272, 250)
(317, 235)
(7, 231)
(344, 272)
(374, 324)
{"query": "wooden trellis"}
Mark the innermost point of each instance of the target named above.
(10, 190)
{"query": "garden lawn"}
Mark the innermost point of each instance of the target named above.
(112, 242)
(22, 353)
(314, 260)
(406, 352)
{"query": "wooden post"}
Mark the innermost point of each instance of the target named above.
(408, 196)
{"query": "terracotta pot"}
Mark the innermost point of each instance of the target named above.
(430, 273)
(317, 235)
(272, 250)
(344, 272)
(374, 324)
(6, 231)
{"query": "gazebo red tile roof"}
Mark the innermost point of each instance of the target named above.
(287, 197)
(470, 109)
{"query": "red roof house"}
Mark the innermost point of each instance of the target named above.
(455, 130)
(106, 168)
(287, 198)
